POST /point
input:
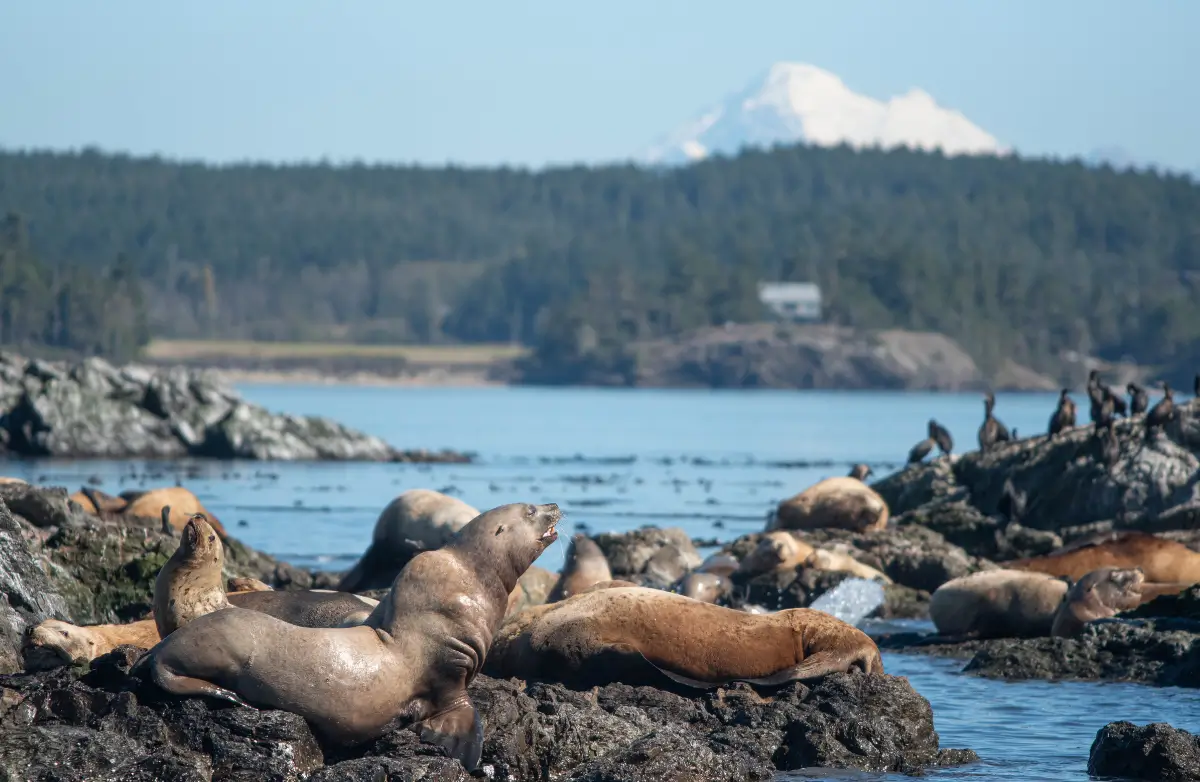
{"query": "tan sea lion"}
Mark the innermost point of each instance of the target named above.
(837, 562)
(532, 589)
(246, 584)
(54, 643)
(190, 584)
(777, 550)
(705, 587)
(97, 502)
(841, 502)
(1151, 589)
(1098, 595)
(183, 504)
(616, 583)
(410, 664)
(1162, 560)
(6, 480)
(997, 604)
(719, 564)
(585, 565)
(641, 636)
(417, 520)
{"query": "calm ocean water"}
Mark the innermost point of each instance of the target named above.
(711, 462)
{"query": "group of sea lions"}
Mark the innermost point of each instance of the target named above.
(1058, 593)
(353, 666)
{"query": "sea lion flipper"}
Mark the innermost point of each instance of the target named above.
(458, 730)
(813, 667)
(177, 684)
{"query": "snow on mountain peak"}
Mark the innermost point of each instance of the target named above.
(797, 102)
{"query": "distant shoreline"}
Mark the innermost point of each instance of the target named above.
(431, 378)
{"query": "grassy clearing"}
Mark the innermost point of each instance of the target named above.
(441, 355)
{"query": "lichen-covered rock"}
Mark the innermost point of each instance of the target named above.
(26, 595)
(1156, 752)
(91, 409)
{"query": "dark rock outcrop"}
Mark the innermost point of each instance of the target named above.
(1155, 752)
(106, 725)
(91, 409)
(1071, 489)
(651, 556)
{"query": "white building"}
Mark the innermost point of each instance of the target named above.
(800, 301)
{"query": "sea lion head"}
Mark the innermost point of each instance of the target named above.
(861, 471)
(1118, 589)
(510, 536)
(53, 644)
(199, 541)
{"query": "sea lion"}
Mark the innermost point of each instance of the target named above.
(5, 480)
(409, 665)
(860, 472)
(532, 589)
(777, 550)
(97, 502)
(54, 643)
(837, 562)
(641, 636)
(1162, 560)
(616, 583)
(997, 604)
(182, 503)
(190, 585)
(719, 564)
(843, 503)
(705, 587)
(245, 584)
(1098, 595)
(585, 565)
(415, 521)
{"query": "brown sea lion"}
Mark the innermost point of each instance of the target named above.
(190, 584)
(616, 583)
(183, 504)
(837, 562)
(1162, 560)
(997, 604)
(1151, 590)
(1098, 595)
(641, 636)
(410, 664)
(861, 472)
(705, 587)
(585, 565)
(777, 550)
(417, 520)
(843, 503)
(53, 643)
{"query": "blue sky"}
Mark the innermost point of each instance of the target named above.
(532, 82)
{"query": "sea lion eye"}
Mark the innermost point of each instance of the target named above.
(211, 538)
(532, 510)
(499, 529)
(65, 634)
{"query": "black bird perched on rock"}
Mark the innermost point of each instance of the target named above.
(992, 431)
(941, 435)
(1099, 393)
(920, 450)
(1163, 410)
(1139, 400)
(1110, 447)
(1064, 415)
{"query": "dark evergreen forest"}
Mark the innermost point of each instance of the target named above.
(1013, 258)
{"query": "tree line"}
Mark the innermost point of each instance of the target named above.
(1013, 258)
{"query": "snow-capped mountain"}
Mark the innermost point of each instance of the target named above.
(796, 102)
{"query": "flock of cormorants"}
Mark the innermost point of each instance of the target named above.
(1106, 405)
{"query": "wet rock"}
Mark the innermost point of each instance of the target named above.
(91, 409)
(104, 725)
(26, 595)
(632, 555)
(1156, 752)
(1163, 652)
